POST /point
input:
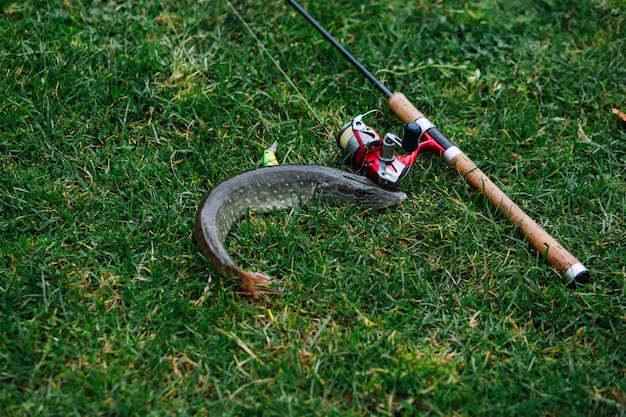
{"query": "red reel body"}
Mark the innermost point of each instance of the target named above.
(367, 152)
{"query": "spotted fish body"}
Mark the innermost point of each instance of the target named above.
(278, 187)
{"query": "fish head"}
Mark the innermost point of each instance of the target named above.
(354, 189)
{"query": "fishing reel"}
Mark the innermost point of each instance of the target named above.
(370, 154)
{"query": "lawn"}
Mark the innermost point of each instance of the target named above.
(117, 117)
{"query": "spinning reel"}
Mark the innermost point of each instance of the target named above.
(370, 154)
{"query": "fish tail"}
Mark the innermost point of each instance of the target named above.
(256, 283)
(620, 114)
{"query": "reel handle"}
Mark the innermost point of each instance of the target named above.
(540, 240)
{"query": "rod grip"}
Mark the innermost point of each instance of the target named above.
(403, 108)
(555, 254)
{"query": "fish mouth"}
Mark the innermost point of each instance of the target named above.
(389, 199)
(395, 197)
(399, 198)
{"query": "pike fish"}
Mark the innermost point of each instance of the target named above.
(270, 188)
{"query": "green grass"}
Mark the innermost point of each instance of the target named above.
(117, 117)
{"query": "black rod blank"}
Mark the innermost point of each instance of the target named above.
(341, 49)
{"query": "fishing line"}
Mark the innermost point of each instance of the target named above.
(277, 65)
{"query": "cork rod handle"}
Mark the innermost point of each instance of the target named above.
(540, 240)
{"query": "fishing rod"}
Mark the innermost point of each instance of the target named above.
(366, 151)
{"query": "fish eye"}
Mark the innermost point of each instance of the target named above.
(360, 193)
